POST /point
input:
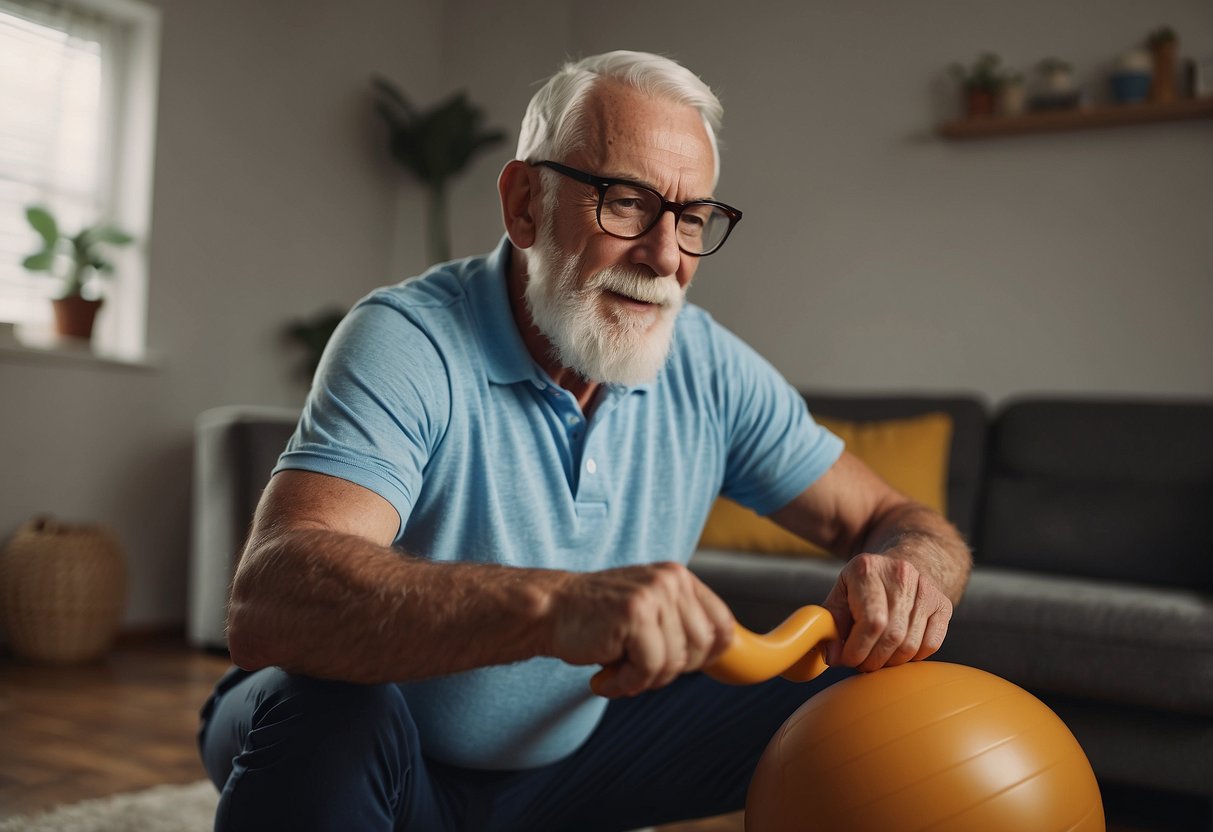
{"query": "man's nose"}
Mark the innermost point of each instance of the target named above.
(658, 247)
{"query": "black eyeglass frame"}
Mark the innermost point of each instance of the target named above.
(602, 183)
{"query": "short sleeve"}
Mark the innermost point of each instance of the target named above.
(377, 408)
(774, 448)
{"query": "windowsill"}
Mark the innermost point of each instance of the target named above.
(65, 353)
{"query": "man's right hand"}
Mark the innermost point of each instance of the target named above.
(652, 622)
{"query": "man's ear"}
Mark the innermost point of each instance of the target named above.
(518, 186)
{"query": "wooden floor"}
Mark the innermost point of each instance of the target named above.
(128, 722)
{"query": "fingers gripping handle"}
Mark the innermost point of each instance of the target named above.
(794, 650)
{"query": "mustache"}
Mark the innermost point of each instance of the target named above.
(638, 285)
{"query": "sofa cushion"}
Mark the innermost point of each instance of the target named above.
(1116, 643)
(1106, 439)
(966, 453)
(731, 525)
(911, 454)
(1089, 487)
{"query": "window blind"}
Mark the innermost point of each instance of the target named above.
(54, 135)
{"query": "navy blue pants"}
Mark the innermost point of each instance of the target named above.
(291, 752)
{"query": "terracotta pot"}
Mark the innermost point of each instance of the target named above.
(74, 316)
(979, 103)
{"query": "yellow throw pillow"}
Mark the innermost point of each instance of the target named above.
(910, 454)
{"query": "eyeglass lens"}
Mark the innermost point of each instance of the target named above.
(629, 211)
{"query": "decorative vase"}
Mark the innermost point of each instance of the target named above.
(1130, 87)
(74, 316)
(1132, 77)
(1012, 100)
(62, 591)
(1164, 54)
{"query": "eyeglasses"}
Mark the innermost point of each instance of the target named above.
(629, 210)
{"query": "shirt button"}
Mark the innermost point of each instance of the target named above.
(591, 466)
(571, 419)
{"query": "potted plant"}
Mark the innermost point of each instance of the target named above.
(979, 84)
(1164, 48)
(1056, 86)
(434, 145)
(80, 254)
(1056, 76)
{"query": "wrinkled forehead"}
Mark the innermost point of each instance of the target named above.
(662, 142)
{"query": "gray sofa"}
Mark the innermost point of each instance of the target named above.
(1092, 528)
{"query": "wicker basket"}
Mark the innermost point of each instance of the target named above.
(62, 591)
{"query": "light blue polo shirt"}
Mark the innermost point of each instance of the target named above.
(427, 396)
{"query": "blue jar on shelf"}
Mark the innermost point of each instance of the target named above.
(1130, 87)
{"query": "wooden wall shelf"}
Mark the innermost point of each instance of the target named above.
(1084, 118)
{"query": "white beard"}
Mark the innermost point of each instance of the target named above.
(601, 340)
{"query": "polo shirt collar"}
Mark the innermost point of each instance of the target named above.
(505, 355)
(506, 358)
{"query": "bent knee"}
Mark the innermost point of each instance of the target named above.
(323, 705)
(287, 715)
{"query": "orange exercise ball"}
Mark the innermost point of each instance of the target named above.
(924, 746)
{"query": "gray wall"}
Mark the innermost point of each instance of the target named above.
(872, 255)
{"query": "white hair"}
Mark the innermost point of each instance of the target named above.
(554, 125)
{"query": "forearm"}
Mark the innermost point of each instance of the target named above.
(920, 536)
(332, 605)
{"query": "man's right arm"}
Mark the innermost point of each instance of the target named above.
(320, 591)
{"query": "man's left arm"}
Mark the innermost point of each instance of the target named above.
(907, 565)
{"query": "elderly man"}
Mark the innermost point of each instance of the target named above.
(499, 474)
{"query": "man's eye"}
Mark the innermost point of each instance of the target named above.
(625, 206)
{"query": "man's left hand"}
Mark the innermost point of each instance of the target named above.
(887, 612)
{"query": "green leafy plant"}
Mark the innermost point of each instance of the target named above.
(81, 253)
(434, 145)
(1161, 36)
(985, 73)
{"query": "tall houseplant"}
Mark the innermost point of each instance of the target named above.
(74, 259)
(434, 145)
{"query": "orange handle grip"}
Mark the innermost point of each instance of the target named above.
(793, 650)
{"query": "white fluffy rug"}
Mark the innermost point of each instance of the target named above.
(189, 808)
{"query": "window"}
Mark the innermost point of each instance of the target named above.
(78, 86)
